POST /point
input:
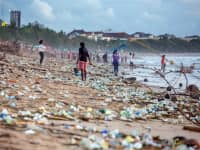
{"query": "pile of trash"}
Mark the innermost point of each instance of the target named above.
(35, 99)
(116, 140)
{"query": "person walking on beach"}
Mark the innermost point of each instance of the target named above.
(163, 64)
(125, 58)
(41, 50)
(98, 58)
(105, 58)
(83, 57)
(115, 61)
(131, 61)
(122, 59)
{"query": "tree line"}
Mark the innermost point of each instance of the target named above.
(33, 32)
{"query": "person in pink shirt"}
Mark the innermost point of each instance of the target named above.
(163, 64)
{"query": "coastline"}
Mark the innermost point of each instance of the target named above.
(168, 54)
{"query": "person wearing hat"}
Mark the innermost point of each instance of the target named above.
(163, 64)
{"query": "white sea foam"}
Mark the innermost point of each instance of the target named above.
(174, 78)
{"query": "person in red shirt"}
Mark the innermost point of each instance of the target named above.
(163, 64)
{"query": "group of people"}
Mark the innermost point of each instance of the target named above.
(83, 58)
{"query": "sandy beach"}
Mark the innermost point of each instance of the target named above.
(51, 108)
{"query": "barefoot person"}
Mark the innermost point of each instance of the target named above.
(83, 56)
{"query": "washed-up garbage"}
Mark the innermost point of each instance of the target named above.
(133, 113)
(25, 113)
(86, 116)
(118, 140)
(32, 97)
(40, 118)
(60, 104)
(4, 116)
(74, 108)
(12, 104)
(36, 88)
(51, 100)
(107, 114)
(94, 143)
(63, 113)
(137, 145)
(99, 85)
(2, 93)
(29, 132)
(11, 97)
(148, 140)
(27, 89)
(115, 134)
(126, 114)
(35, 128)
(105, 132)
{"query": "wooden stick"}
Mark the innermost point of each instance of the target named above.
(192, 128)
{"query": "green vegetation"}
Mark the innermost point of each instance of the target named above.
(33, 32)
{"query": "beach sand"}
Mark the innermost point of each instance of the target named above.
(21, 74)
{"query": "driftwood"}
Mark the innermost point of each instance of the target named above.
(163, 77)
(175, 93)
(192, 128)
(72, 133)
(186, 79)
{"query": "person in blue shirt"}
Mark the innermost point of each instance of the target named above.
(115, 61)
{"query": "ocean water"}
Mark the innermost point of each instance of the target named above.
(174, 78)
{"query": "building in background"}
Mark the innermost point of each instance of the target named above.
(15, 18)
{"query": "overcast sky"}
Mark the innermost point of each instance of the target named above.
(180, 17)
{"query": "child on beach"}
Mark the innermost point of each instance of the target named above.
(83, 56)
(115, 61)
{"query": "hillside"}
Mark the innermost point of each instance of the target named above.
(34, 31)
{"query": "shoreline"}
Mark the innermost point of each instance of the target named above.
(169, 54)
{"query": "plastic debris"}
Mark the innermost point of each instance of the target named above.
(52, 101)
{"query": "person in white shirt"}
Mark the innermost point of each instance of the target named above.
(41, 50)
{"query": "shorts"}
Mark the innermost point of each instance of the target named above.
(82, 65)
